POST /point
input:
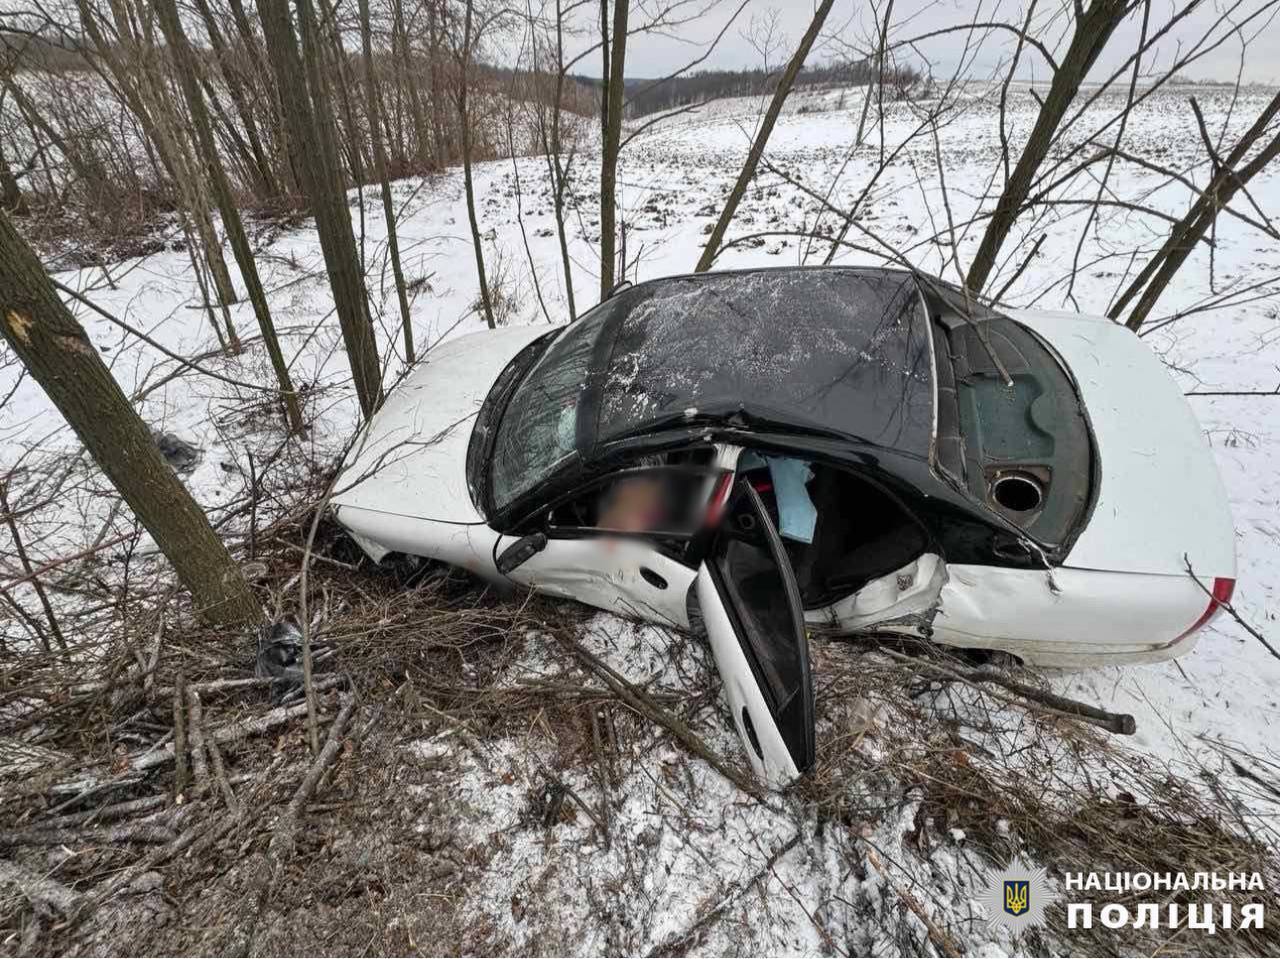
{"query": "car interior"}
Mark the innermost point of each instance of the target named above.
(861, 533)
(858, 531)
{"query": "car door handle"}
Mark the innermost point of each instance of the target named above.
(652, 578)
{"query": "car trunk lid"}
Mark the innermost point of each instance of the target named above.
(1161, 502)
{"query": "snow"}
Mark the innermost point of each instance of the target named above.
(701, 842)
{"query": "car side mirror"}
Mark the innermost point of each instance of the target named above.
(521, 551)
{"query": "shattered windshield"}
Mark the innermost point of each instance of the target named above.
(538, 432)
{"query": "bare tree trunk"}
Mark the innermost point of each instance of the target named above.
(11, 198)
(416, 110)
(440, 148)
(612, 146)
(130, 60)
(312, 126)
(235, 89)
(85, 166)
(380, 161)
(338, 68)
(559, 176)
(1191, 229)
(880, 54)
(604, 69)
(171, 25)
(1093, 29)
(748, 171)
(486, 301)
(288, 169)
(61, 358)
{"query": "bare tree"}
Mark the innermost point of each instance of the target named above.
(61, 358)
(254, 151)
(748, 170)
(1093, 28)
(464, 121)
(171, 25)
(11, 198)
(614, 96)
(1231, 174)
(131, 59)
(549, 118)
(310, 126)
(380, 164)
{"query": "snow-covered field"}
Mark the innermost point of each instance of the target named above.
(689, 839)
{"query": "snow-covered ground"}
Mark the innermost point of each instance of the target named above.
(673, 180)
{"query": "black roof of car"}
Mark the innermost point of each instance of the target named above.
(835, 350)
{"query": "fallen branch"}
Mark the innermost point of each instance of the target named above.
(682, 943)
(179, 741)
(220, 774)
(281, 846)
(39, 889)
(106, 813)
(199, 757)
(1120, 723)
(645, 705)
(282, 840)
(126, 832)
(231, 733)
(473, 742)
(102, 893)
(944, 943)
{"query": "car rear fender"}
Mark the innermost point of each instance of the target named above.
(1069, 617)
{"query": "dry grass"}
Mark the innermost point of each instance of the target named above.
(384, 856)
(1045, 787)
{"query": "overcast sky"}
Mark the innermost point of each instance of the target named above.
(851, 22)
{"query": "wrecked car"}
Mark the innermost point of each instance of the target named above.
(869, 449)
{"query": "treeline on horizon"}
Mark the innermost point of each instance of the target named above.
(654, 95)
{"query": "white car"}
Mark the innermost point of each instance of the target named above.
(863, 448)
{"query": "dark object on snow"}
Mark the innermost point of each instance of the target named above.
(177, 452)
(280, 658)
(280, 653)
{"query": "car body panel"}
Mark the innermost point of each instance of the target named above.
(1161, 501)
(906, 597)
(606, 572)
(468, 546)
(1068, 617)
(417, 441)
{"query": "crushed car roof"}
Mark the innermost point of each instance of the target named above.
(841, 350)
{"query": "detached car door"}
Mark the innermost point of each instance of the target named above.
(755, 621)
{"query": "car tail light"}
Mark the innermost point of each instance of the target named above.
(1219, 596)
(719, 497)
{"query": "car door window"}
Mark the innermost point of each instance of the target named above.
(749, 568)
(664, 494)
